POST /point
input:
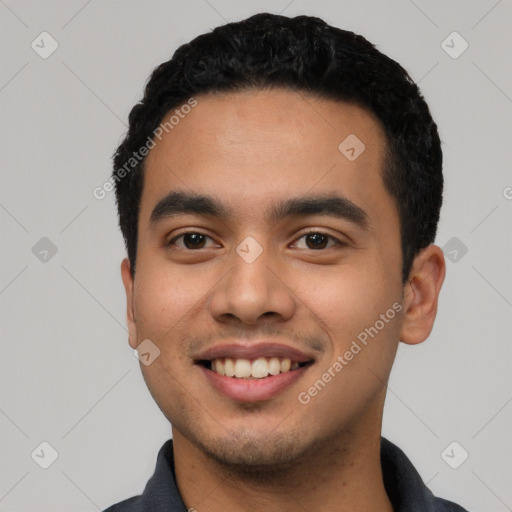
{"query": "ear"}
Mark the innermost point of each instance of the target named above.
(421, 293)
(130, 316)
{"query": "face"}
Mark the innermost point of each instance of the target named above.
(263, 246)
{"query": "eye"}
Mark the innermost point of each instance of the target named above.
(316, 240)
(191, 240)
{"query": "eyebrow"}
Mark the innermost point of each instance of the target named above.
(180, 203)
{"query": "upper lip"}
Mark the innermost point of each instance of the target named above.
(253, 351)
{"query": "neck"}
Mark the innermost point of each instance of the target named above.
(342, 475)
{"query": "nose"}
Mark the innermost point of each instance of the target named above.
(251, 292)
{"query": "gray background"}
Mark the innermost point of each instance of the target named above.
(68, 375)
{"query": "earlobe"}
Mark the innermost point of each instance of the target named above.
(421, 295)
(130, 315)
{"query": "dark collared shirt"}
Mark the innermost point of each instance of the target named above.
(403, 484)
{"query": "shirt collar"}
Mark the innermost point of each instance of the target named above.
(402, 482)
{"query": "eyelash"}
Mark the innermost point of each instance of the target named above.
(312, 232)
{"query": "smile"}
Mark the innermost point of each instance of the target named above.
(259, 368)
(251, 372)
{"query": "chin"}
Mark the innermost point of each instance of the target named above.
(249, 452)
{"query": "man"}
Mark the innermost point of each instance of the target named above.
(279, 191)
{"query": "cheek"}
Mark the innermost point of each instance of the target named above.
(339, 304)
(346, 299)
(165, 297)
(349, 306)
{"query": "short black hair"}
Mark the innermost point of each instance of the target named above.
(302, 54)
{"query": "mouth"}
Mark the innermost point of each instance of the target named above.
(259, 368)
(249, 373)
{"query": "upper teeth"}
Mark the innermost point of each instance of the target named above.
(258, 368)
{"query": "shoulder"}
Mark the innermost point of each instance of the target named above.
(404, 485)
(442, 505)
(161, 493)
(128, 505)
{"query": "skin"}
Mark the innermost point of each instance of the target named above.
(250, 149)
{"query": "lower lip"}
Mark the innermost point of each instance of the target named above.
(253, 390)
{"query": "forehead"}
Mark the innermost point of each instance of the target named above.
(253, 148)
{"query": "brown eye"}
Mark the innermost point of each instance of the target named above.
(316, 241)
(191, 241)
(194, 240)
